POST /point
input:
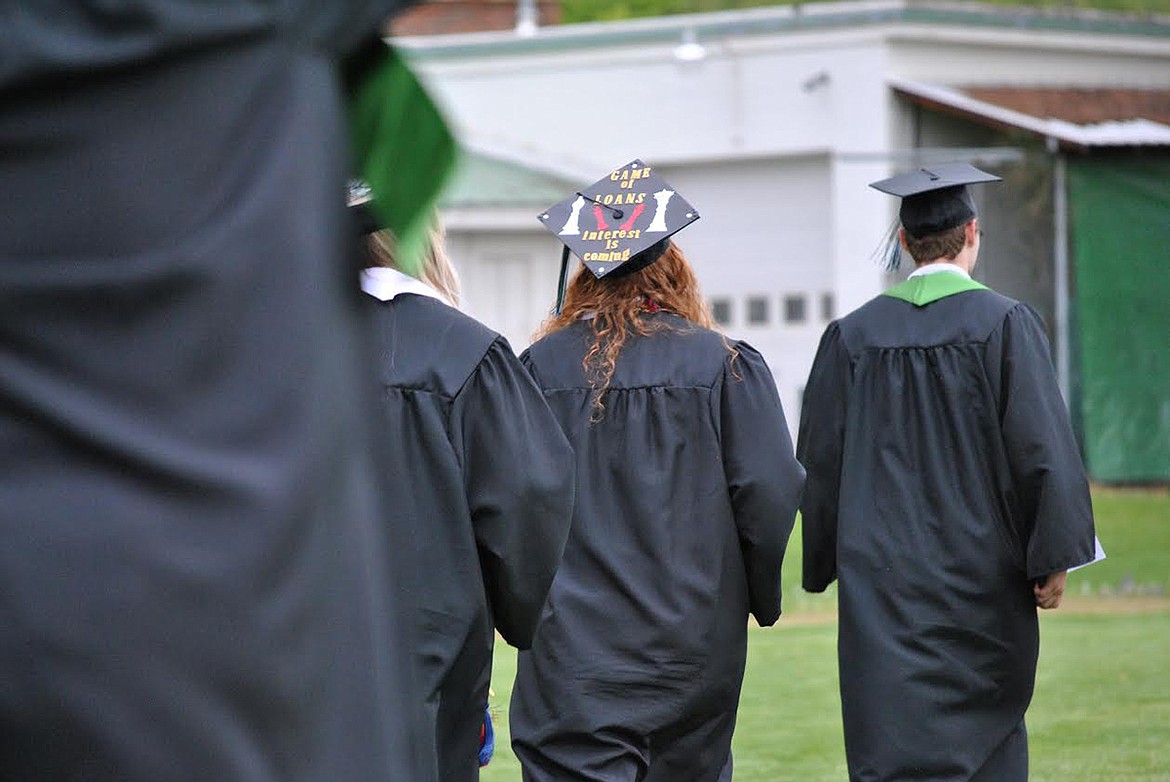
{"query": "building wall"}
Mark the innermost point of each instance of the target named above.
(766, 259)
(596, 108)
(773, 136)
(1005, 57)
(509, 278)
(770, 138)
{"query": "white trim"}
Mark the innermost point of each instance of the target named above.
(385, 283)
(937, 267)
(1002, 36)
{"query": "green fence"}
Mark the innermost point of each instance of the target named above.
(1120, 233)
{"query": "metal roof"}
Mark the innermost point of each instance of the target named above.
(484, 179)
(1080, 105)
(1115, 133)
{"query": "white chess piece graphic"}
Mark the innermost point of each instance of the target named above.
(658, 224)
(572, 226)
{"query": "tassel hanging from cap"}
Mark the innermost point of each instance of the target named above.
(888, 253)
(563, 281)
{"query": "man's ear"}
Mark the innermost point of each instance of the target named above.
(902, 239)
(970, 232)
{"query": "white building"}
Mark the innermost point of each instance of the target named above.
(771, 122)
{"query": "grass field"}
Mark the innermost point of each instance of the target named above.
(1102, 706)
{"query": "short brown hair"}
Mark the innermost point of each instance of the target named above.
(944, 244)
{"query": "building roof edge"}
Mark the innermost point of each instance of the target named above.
(1130, 133)
(805, 17)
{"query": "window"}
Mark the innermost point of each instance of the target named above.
(828, 310)
(794, 308)
(757, 310)
(721, 311)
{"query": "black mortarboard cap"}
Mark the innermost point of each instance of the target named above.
(621, 222)
(358, 201)
(935, 199)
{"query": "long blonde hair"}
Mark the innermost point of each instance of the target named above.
(614, 306)
(437, 270)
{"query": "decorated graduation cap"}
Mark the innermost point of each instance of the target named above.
(619, 224)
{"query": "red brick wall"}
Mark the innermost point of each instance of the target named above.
(436, 17)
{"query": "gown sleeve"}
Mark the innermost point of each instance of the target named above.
(518, 473)
(764, 479)
(820, 444)
(1048, 476)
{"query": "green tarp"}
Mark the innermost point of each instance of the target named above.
(1120, 231)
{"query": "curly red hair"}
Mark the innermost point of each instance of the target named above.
(614, 306)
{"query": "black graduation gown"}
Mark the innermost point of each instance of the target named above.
(196, 578)
(687, 489)
(485, 478)
(942, 478)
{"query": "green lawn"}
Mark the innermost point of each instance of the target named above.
(1102, 707)
(1134, 527)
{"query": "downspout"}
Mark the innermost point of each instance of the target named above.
(527, 18)
(1060, 265)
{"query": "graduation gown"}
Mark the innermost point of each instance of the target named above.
(484, 477)
(943, 478)
(197, 581)
(687, 489)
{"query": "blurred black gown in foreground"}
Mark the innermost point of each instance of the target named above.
(196, 579)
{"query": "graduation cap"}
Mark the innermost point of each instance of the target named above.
(619, 224)
(935, 199)
(359, 197)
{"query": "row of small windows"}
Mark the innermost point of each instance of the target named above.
(794, 309)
